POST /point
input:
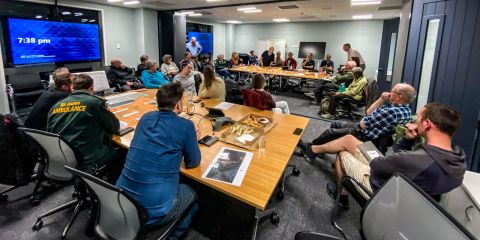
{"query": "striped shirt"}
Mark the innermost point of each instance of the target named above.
(385, 118)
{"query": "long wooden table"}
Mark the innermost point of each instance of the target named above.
(265, 170)
(278, 71)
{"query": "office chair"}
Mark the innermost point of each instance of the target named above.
(119, 215)
(401, 210)
(58, 154)
(25, 89)
(370, 94)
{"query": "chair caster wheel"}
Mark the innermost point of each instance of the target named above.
(274, 219)
(37, 226)
(34, 201)
(3, 198)
(280, 195)
(295, 171)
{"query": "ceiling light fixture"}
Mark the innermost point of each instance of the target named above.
(281, 20)
(234, 22)
(38, 16)
(362, 16)
(194, 14)
(253, 11)
(112, 1)
(246, 9)
(366, 3)
(131, 2)
(92, 20)
(66, 13)
(184, 13)
(78, 14)
(84, 20)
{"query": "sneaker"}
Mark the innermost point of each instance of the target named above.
(314, 102)
(306, 150)
(327, 116)
(310, 94)
(344, 202)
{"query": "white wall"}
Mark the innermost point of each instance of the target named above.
(365, 36)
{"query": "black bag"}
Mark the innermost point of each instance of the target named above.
(18, 153)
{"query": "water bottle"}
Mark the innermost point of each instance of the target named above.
(342, 87)
(190, 96)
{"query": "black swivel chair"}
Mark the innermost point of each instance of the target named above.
(401, 210)
(119, 216)
(24, 89)
(369, 95)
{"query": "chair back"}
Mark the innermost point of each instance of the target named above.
(371, 91)
(401, 210)
(252, 99)
(119, 216)
(59, 153)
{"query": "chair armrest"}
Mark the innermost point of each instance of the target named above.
(314, 236)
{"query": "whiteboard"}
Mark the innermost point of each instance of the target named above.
(280, 45)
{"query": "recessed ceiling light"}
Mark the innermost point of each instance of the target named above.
(184, 13)
(66, 13)
(246, 9)
(84, 20)
(78, 14)
(281, 20)
(91, 20)
(194, 14)
(234, 22)
(253, 11)
(115, 1)
(365, 2)
(39, 16)
(362, 16)
(131, 2)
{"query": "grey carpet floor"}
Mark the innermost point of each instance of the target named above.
(306, 205)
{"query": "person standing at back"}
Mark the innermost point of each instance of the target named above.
(150, 175)
(267, 57)
(37, 119)
(84, 121)
(353, 53)
(194, 48)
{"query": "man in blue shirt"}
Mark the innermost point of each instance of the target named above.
(194, 48)
(151, 171)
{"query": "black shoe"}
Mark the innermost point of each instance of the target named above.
(344, 202)
(306, 149)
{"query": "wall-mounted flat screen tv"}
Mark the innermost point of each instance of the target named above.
(317, 48)
(40, 41)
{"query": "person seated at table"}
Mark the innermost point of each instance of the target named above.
(290, 62)
(152, 77)
(63, 79)
(267, 57)
(205, 62)
(437, 166)
(327, 64)
(252, 58)
(169, 68)
(309, 63)
(85, 122)
(258, 84)
(221, 66)
(233, 92)
(354, 92)
(235, 61)
(212, 87)
(188, 78)
(188, 58)
(141, 66)
(162, 140)
(345, 76)
(391, 109)
(357, 61)
(278, 62)
(120, 75)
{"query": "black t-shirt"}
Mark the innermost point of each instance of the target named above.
(267, 59)
(326, 63)
(38, 116)
(309, 63)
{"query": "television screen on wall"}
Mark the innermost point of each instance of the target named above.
(40, 41)
(205, 39)
(317, 48)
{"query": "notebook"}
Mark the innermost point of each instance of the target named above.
(369, 150)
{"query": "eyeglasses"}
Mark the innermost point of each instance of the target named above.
(401, 94)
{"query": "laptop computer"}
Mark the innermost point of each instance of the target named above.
(369, 150)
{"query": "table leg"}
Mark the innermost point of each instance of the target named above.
(259, 215)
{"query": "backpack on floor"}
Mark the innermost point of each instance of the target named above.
(324, 105)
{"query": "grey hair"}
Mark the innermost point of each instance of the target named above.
(150, 63)
(408, 91)
(357, 70)
(166, 57)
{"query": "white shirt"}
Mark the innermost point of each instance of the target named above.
(354, 53)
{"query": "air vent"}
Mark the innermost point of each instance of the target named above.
(389, 8)
(285, 7)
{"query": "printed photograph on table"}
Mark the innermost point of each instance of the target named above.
(229, 166)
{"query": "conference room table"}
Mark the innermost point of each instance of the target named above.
(278, 71)
(266, 168)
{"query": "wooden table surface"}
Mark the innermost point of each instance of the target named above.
(265, 169)
(299, 73)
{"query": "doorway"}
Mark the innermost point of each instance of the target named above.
(387, 54)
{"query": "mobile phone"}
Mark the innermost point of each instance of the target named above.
(125, 131)
(298, 131)
(208, 140)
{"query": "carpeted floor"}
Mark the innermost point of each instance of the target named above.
(306, 205)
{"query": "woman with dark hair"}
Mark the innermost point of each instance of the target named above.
(236, 60)
(211, 87)
(258, 84)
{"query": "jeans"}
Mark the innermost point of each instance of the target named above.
(320, 86)
(339, 129)
(185, 197)
(224, 73)
(281, 107)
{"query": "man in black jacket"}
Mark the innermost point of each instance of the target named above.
(120, 75)
(37, 119)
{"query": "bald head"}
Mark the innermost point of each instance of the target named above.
(350, 65)
(408, 91)
(116, 62)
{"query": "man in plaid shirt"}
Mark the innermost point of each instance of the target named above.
(390, 110)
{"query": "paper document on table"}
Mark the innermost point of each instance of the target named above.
(229, 166)
(224, 105)
(123, 125)
(245, 138)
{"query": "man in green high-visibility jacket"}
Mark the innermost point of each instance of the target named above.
(85, 122)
